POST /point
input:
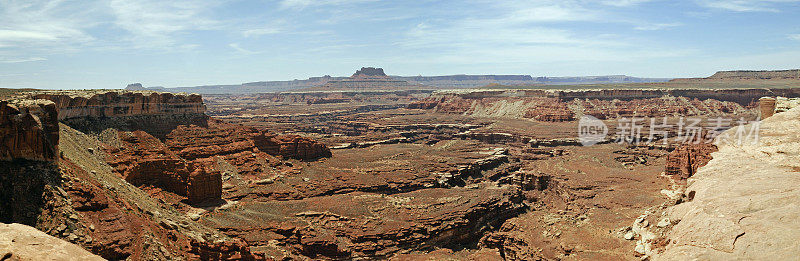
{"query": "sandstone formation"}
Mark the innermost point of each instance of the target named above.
(745, 199)
(766, 106)
(28, 130)
(143, 160)
(684, 161)
(558, 106)
(783, 104)
(78, 104)
(20, 242)
(369, 72)
(770, 105)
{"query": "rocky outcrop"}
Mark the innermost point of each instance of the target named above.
(783, 104)
(235, 249)
(92, 111)
(745, 199)
(28, 130)
(291, 146)
(684, 161)
(426, 104)
(557, 106)
(78, 104)
(219, 138)
(143, 160)
(766, 106)
(21, 242)
(369, 71)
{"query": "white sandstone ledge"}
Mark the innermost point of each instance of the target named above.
(747, 201)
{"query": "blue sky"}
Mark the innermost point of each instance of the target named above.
(107, 44)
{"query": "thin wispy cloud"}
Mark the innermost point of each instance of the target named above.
(624, 3)
(307, 3)
(22, 60)
(544, 11)
(157, 24)
(235, 46)
(260, 32)
(38, 24)
(18, 35)
(274, 27)
(795, 37)
(746, 5)
(657, 26)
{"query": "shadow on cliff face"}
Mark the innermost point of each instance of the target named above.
(24, 188)
(157, 125)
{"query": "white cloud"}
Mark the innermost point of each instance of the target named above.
(41, 24)
(528, 35)
(275, 27)
(653, 27)
(746, 5)
(260, 32)
(13, 35)
(795, 37)
(154, 23)
(624, 3)
(306, 3)
(22, 60)
(239, 49)
(552, 13)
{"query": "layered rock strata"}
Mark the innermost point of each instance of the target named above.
(154, 112)
(28, 130)
(141, 159)
(80, 104)
(684, 161)
(766, 106)
(556, 106)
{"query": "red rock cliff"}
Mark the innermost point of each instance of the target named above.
(76, 104)
(28, 130)
(684, 161)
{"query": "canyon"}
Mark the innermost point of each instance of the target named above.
(367, 171)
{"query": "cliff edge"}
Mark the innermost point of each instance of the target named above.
(746, 199)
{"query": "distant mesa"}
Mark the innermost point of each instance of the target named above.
(135, 87)
(747, 75)
(369, 71)
(757, 75)
(368, 79)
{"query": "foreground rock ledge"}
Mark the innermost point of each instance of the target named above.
(747, 199)
(21, 242)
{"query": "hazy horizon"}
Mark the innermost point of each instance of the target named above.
(108, 44)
